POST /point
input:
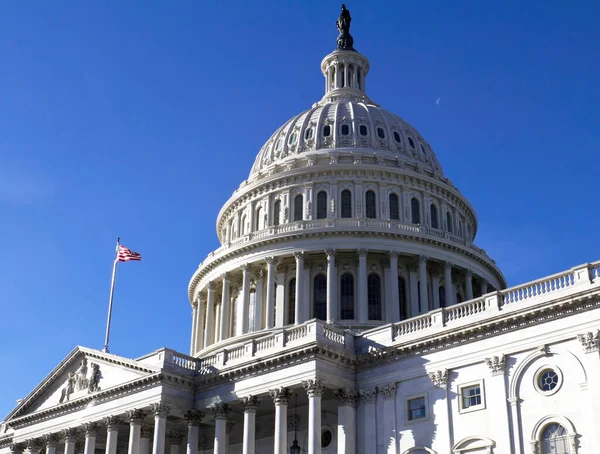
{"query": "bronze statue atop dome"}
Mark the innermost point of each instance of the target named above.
(344, 40)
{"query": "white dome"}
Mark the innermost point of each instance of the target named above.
(350, 125)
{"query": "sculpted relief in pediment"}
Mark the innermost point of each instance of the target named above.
(82, 381)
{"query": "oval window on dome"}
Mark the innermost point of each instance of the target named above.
(423, 149)
(363, 130)
(308, 134)
(293, 138)
(380, 133)
(411, 143)
(278, 145)
(397, 137)
(345, 130)
(326, 131)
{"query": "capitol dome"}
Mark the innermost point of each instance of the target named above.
(346, 217)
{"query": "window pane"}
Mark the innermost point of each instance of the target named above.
(252, 309)
(415, 210)
(347, 296)
(371, 208)
(374, 296)
(346, 204)
(326, 131)
(396, 136)
(394, 207)
(298, 208)
(345, 130)
(471, 396)
(308, 134)
(449, 222)
(363, 130)
(381, 133)
(292, 302)
(321, 205)
(276, 210)
(402, 298)
(416, 408)
(320, 297)
(434, 216)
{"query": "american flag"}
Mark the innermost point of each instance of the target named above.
(126, 254)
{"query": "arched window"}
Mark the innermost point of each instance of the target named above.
(346, 203)
(291, 302)
(347, 297)
(342, 77)
(243, 225)
(371, 205)
(433, 211)
(415, 211)
(394, 207)
(374, 296)
(308, 134)
(298, 203)
(442, 295)
(460, 228)
(234, 312)
(345, 130)
(363, 130)
(402, 300)
(350, 75)
(321, 205)
(320, 297)
(449, 221)
(258, 221)
(411, 143)
(326, 131)
(252, 311)
(555, 440)
(276, 212)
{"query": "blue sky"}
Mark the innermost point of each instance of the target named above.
(139, 119)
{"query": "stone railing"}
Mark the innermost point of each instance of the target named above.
(530, 294)
(360, 224)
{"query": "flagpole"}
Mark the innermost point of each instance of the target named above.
(110, 301)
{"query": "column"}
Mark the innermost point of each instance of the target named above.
(70, 436)
(225, 309)
(258, 325)
(483, 286)
(199, 322)
(299, 286)
(280, 398)
(332, 310)
(424, 306)
(194, 418)
(449, 292)
(413, 279)
(249, 404)
(251, 215)
(51, 441)
(442, 403)
(394, 303)
(220, 412)
(590, 342)
(388, 393)
(145, 437)
(33, 446)
(242, 322)
(435, 286)
(363, 309)
(497, 404)
(135, 430)
(160, 411)
(90, 429)
(209, 330)
(270, 316)
(346, 430)
(112, 432)
(469, 285)
(369, 426)
(175, 439)
(314, 389)
(516, 423)
(194, 327)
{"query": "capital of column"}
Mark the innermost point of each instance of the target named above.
(362, 252)
(497, 364)
(330, 253)
(469, 274)
(211, 286)
(70, 434)
(423, 259)
(346, 397)
(439, 378)
(160, 409)
(90, 429)
(393, 254)
(448, 265)
(194, 417)
(146, 431)
(314, 388)
(112, 423)
(174, 437)
(15, 448)
(135, 416)
(299, 255)
(201, 298)
(260, 274)
(249, 403)
(225, 277)
(590, 341)
(280, 396)
(33, 445)
(368, 395)
(51, 440)
(388, 391)
(270, 260)
(245, 267)
(220, 410)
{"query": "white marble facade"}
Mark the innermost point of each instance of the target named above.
(347, 310)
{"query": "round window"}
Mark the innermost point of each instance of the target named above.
(548, 380)
(326, 438)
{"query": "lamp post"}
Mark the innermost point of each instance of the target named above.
(295, 449)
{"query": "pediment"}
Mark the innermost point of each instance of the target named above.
(81, 374)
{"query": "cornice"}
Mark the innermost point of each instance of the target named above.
(246, 248)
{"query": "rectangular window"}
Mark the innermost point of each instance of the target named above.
(472, 396)
(416, 408)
